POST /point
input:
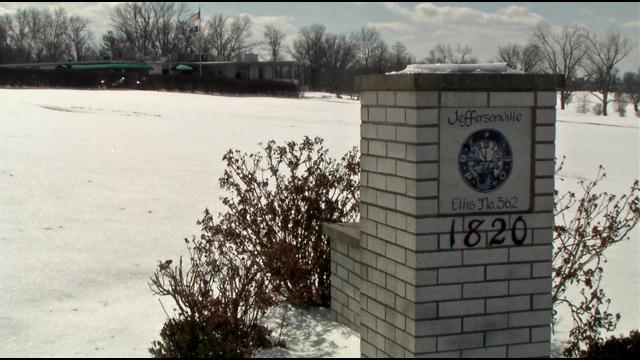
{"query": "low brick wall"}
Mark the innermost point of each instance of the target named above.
(345, 273)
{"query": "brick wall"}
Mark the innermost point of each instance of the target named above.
(345, 273)
(421, 296)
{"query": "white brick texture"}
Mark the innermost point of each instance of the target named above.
(547, 98)
(463, 99)
(417, 98)
(511, 99)
(409, 290)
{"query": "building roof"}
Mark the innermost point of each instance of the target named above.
(183, 67)
(112, 66)
(84, 65)
(124, 65)
(291, 62)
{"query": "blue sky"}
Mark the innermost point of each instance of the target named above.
(482, 26)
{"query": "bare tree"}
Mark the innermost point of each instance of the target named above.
(134, 22)
(36, 35)
(227, 36)
(80, 38)
(400, 56)
(367, 40)
(603, 54)
(21, 39)
(340, 54)
(17, 37)
(185, 41)
(510, 54)
(273, 39)
(526, 58)
(381, 57)
(310, 49)
(32, 22)
(163, 25)
(6, 51)
(446, 54)
(563, 53)
(55, 34)
(25, 35)
(113, 46)
(45, 33)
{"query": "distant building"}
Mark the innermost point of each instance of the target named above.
(248, 67)
(122, 66)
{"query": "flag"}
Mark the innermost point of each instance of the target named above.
(195, 16)
(193, 29)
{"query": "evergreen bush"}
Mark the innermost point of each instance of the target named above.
(616, 347)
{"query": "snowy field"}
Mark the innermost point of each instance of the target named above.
(96, 186)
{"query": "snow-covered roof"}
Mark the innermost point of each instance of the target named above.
(491, 68)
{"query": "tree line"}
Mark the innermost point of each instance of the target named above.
(144, 30)
(34, 35)
(587, 59)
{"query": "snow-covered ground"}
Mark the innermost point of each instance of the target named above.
(97, 186)
(587, 141)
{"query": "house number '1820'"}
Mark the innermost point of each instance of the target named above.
(472, 237)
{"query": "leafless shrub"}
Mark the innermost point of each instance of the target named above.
(267, 247)
(597, 109)
(220, 298)
(587, 224)
(277, 202)
(631, 87)
(583, 103)
(621, 103)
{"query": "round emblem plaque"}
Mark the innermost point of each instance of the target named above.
(485, 160)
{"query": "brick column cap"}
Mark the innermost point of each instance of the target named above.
(346, 232)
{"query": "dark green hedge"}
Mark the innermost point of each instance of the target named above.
(616, 347)
(70, 79)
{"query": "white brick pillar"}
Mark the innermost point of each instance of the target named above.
(456, 214)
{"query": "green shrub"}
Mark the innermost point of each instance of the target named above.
(72, 79)
(211, 337)
(621, 347)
